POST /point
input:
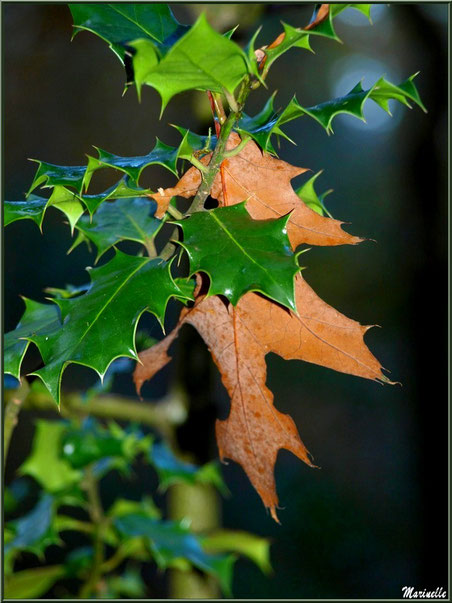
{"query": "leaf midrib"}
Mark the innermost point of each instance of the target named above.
(112, 6)
(110, 299)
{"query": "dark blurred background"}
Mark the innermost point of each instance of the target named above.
(374, 519)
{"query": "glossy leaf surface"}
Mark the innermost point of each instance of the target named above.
(37, 318)
(34, 208)
(162, 154)
(103, 320)
(120, 22)
(202, 59)
(309, 196)
(121, 220)
(321, 25)
(223, 239)
(267, 122)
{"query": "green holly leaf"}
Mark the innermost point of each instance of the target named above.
(121, 190)
(309, 196)
(254, 547)
(195, 141)
(48, 175)
(35, 207)
(172, 470)
(45, 463)
(118, 23)
(103, 320)
(268, 122)
(32, 209)
(121, 220)
(300, 38)
(32, 583)
(34, 532)
(171, 542)
(187, 286)
(240, 254)
(353, 102)
(202, 59)
(37, 318)
(162, 154)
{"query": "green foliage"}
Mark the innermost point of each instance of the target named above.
(268, 122)
(119, 23)
(162, 154)
(201, 60)
(224, 238)
(61, 454)
(309, 196)
(124, 220)
(103, 320)
(37, 318)
(171, 543)
(172, 470)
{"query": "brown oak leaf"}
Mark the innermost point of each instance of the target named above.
(239, 338)
(265, 182)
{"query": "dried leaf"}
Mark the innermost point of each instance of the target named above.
(239, 338)
(265, 182)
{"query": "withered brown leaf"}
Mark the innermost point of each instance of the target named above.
(239, 338)
(265, 182)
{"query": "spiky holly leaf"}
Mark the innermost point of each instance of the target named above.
(118, 23)
(172, 470)
(321, 25)
(268, 122)
(103, 320)
(91, 442)
(196, 141)
(309, 196)
(171, 542)
(202, 59)
(121, 190)
(34, 208)
(162, 154)
(353, 102)
(37, 318)
(45, 463)
(34, 532)
(241, 254)
(48, 175)
(121, 220)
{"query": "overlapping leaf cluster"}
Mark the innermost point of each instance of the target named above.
(61, 453)
(250, 297)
